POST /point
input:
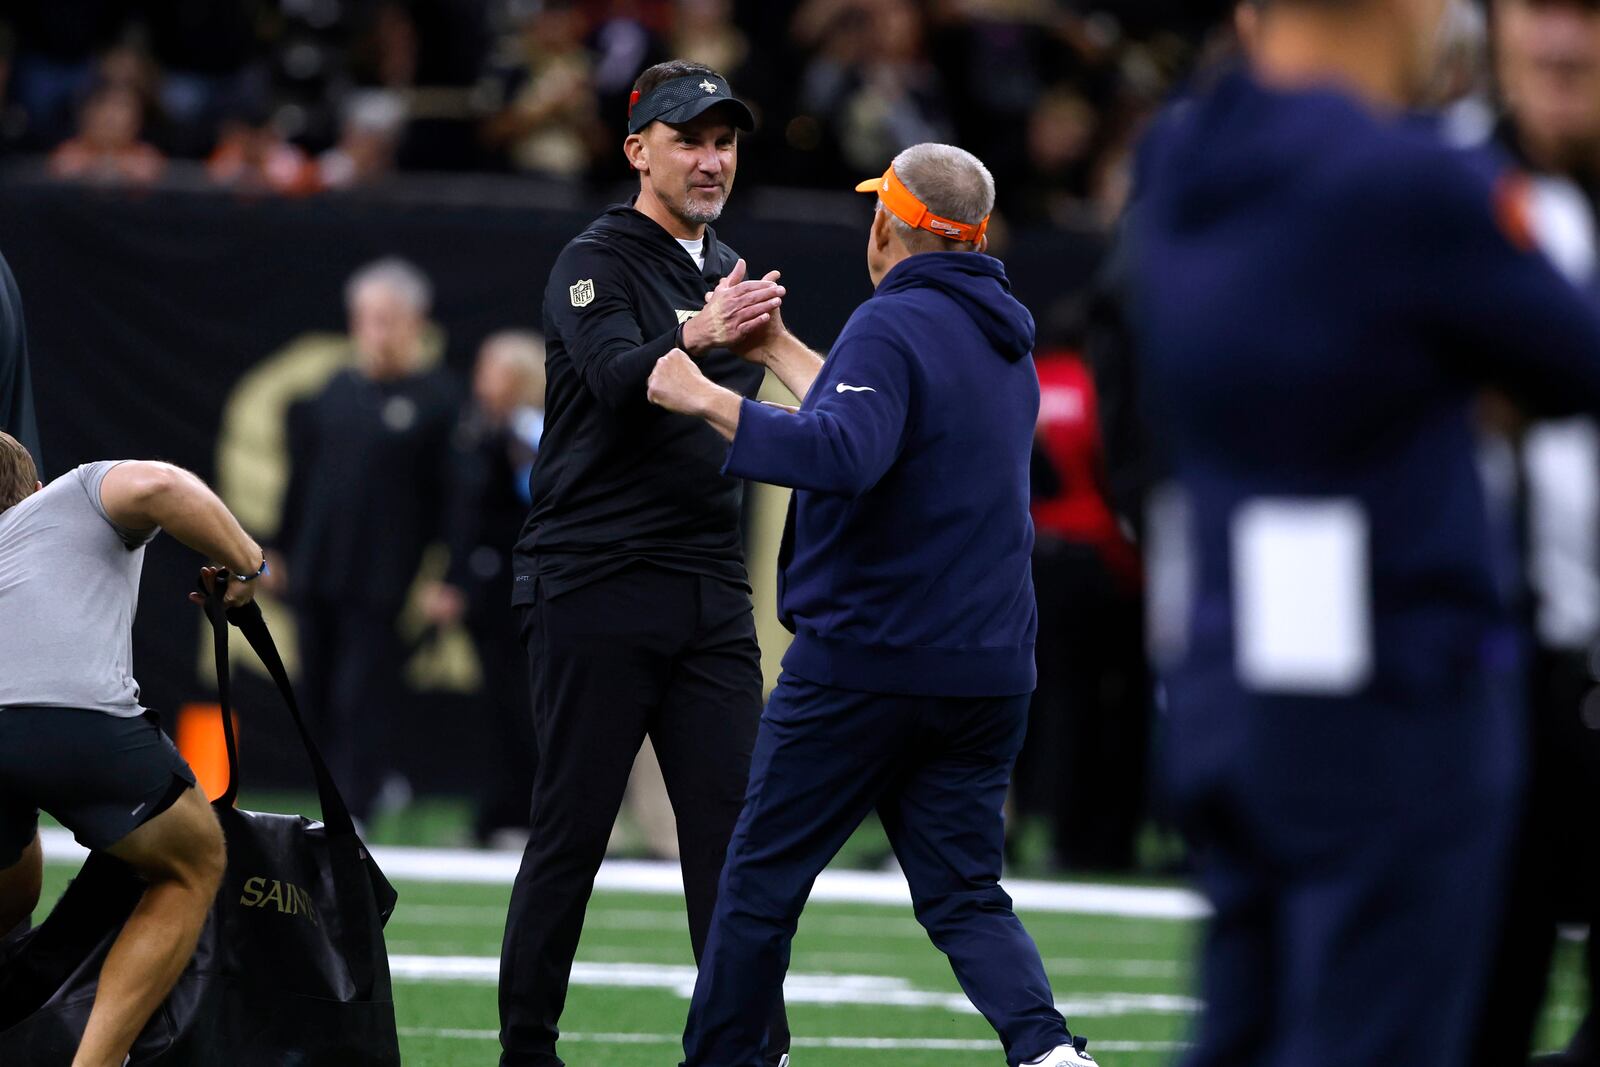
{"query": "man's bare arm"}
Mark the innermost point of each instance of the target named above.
(143, 494)
(790, 361)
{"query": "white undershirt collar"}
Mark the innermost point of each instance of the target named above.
(696, 250)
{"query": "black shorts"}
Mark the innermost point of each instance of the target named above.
(100, 776)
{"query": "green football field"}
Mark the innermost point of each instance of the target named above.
(865, 988)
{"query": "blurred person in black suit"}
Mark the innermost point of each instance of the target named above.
(370, 462)
(16, 388)
(1548, 58)
(1092, 706)
(494, 448)
(16, 399)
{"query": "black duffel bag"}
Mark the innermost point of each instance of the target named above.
(291, 969)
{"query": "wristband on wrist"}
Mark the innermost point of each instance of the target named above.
(679, 340)
(234, 576)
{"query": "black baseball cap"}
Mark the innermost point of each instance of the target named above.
(680, 100)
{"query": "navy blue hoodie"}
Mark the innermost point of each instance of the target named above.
(1320, 294)
(905, 566)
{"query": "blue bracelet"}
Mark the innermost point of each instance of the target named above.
(251, 577)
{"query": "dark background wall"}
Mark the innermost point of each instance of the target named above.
(145, 309)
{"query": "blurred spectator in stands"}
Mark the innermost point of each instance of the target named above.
(549, 119)
(309, 61)
(494, 447)
(627, 37)
(703, 32)
(212, 59)
(389, 52)
(871, 80)
(107, 147)
(1111, 181)
(57, 42)
(432, 53)
(253, 156)
(1060, 145)
(1091, 711)
(374, 121)
(370, 462)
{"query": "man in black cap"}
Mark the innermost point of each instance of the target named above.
(629, 574)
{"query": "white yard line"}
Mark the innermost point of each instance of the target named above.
(465, 867)
(799, 988)
(942, 1044)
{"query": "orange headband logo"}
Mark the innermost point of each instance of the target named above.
(903, 204)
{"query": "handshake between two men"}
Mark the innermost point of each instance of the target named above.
(746, 317)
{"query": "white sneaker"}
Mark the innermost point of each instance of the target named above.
(1070, 1055)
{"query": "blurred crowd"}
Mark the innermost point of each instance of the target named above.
(294, 97)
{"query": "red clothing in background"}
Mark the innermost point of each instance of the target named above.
(1069, 435)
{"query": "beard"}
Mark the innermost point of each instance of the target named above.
(691, 208)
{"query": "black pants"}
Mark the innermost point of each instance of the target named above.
(508, 780)
(643, 652)
(351, 660)
(1085, 764)
(1555, 874)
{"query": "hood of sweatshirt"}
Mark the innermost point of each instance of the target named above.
(977, 283)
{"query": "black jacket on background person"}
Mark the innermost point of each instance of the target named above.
(16, 390)
(618, 481)
(370, 462)
(486, 508)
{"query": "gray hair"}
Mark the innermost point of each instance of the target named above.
(521, 350)
(400, 276)
(954, 184)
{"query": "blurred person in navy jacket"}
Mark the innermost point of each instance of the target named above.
(1321, 288)
(905, 578)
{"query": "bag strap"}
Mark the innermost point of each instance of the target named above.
(248, 618)
(347, 855)
(219, 649)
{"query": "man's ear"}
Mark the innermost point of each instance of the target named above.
(983, 244)
(638, 153)
(882, 233)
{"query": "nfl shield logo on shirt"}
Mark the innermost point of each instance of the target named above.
(582, 293)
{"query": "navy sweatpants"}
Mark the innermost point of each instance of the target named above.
(1355, 853)
(936, 769)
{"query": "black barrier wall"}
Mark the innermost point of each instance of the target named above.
(145, 309)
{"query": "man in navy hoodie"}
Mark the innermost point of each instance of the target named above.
(905, 578)
(1321, 288)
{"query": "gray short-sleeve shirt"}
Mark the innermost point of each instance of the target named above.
(69, 584)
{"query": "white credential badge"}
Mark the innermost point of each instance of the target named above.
(1302, 596)
(582, 293)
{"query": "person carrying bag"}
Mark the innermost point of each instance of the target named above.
(291, 967)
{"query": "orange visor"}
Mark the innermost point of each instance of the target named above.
(903, 204)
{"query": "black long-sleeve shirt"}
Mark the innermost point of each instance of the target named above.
(367, 488)
(618, 481)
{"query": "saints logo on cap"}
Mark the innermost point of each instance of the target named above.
(709, 86)
(582, 293)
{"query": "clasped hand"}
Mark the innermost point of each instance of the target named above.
(737, 313)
